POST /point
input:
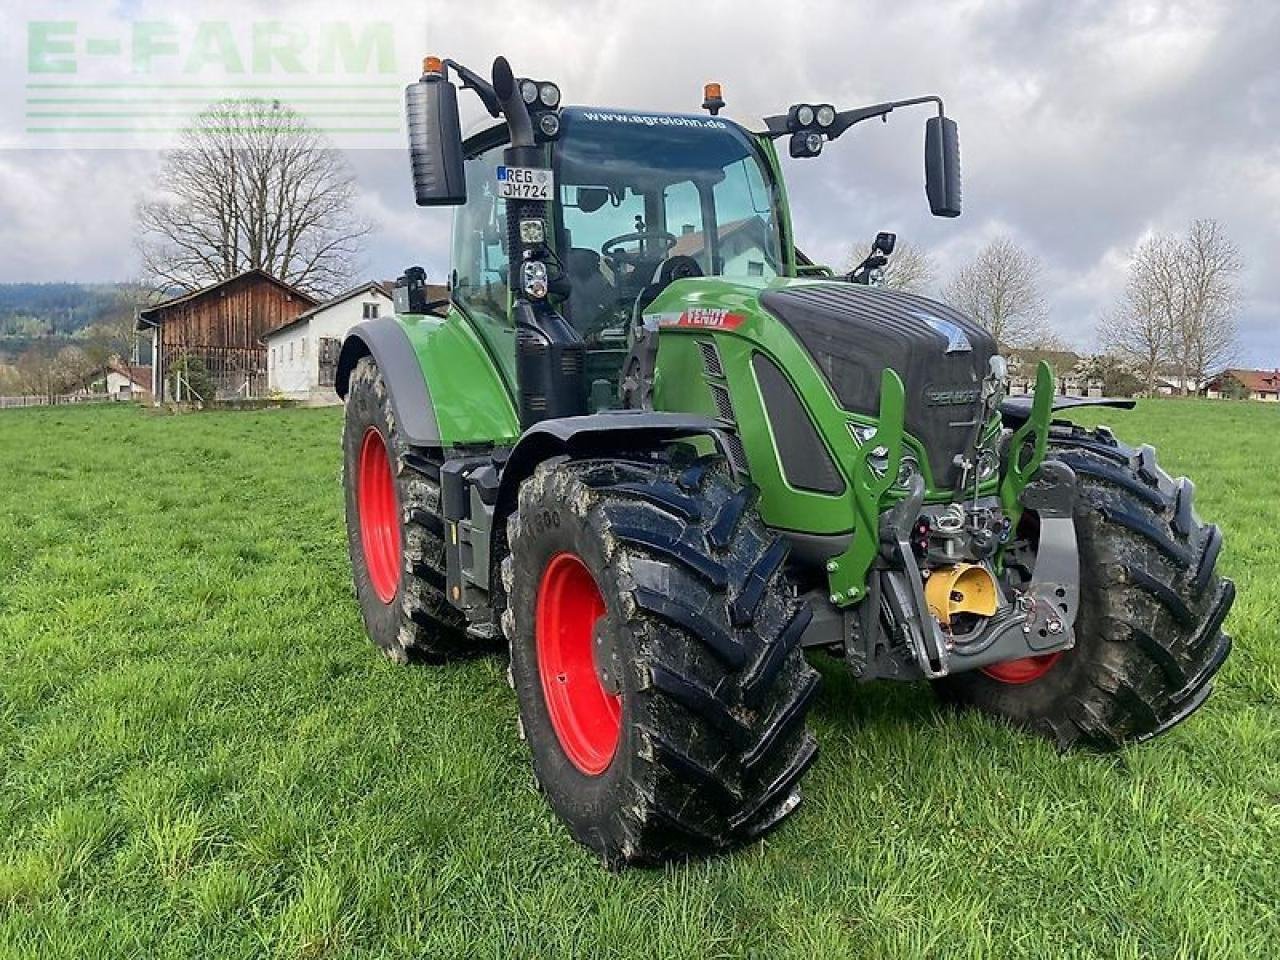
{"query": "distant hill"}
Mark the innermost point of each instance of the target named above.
(29, 310)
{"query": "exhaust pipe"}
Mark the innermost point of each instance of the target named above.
(550, 354)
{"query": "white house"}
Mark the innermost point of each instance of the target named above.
(302, 355)
(128, 382)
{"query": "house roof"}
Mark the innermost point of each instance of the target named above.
(138, 374)
(688, 244)
(373, 286)
(1255, 381)
(153, 316)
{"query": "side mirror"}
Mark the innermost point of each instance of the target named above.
(942, 166)
(435, 142)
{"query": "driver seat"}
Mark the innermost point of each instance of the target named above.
(636, 385)
(590, 293)
(677, 267)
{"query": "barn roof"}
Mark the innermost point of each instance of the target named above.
(373, 286)
(153, 316)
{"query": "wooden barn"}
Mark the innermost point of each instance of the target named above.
(218, 328)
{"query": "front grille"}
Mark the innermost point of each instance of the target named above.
(853, 333)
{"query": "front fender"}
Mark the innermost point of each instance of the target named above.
(612, 432)
(1015, 411)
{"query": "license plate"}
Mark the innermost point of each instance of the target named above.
(524, 183)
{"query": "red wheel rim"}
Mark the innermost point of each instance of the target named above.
(587, 718)
(1026, 670)
(379, 515)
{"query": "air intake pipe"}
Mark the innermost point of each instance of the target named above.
(550, 355)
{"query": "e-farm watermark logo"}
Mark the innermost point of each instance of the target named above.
(112, 82)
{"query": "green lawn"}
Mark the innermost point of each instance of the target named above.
(200, 754)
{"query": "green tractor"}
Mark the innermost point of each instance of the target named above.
(661, 454)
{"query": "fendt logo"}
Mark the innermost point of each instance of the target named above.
(956, 397)
(715, 318)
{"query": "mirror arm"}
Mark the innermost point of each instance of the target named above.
(473, 81)
(776, 126)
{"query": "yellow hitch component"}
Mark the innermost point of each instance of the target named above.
(964, 588)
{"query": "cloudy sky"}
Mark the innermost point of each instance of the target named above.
(1084, 125)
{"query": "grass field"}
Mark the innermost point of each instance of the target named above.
(201, 756)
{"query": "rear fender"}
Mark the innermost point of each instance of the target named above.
(447, 389)
(386, 341)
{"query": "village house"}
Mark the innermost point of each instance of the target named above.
(219, 327)
(741, 248)
(131, 382)
(302, 354)
(1238, 384)
(1070, 375)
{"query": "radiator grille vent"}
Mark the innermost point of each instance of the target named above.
(737, 453)
(724, 406)
(711, 359)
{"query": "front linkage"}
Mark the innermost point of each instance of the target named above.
(881, 569)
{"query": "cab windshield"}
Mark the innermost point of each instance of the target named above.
(637, 191)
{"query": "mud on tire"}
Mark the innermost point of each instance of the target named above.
(417, 622)
(1149, 632)
(714, 688)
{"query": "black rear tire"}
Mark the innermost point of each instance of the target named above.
(704, 633)
(1148, 633)
(417, 622)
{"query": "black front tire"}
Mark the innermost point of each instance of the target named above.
(417, 622)
(1149, 634)
(705, 632)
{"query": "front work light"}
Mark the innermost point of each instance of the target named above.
(549, 124)
(533, 277)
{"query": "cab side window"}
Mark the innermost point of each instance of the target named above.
(479, 243)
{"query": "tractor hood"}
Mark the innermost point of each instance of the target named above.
(853, 332)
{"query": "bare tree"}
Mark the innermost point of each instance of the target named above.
(1000, 289)
(1205, 335)
(1178, 306)
(10, 382)
(35, 370)
(1140, 329)
(251, 185)
(114, 337)
(909, 269)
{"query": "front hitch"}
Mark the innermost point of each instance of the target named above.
(1032, 621)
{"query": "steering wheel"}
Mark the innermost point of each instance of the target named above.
(611, 251)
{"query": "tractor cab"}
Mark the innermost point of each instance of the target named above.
(639, 201)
